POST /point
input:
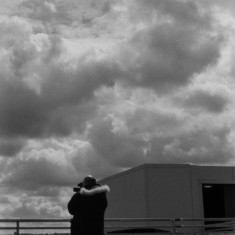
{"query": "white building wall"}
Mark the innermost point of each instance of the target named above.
(127, 198)
(163, 190)
(169, 191)
(207, 174)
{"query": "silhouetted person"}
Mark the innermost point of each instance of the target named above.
(88, 206)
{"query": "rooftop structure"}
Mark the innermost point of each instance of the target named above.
(172, 190)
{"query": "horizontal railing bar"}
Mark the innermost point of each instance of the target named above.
(139, 226)
(205, 226)
(106, 220)
(205, 219)
(137, 219)
(46, 227)
(114, 227)
(170, 223)
(216, 230)
(33, 220)
(43, 228)
(123, 219)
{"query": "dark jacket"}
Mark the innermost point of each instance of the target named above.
(88, 208)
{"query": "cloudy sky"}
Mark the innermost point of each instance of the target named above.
(99, 86)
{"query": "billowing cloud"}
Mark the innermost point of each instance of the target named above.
(212, 103)
(158, 130)
(118, 148)
(40, 92)
(31, 207)
(177, 41)
(27, 174)
(10, 147)
(47, 12)
(95, 87)
(197, 147)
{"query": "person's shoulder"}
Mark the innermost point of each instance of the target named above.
(76, 195)
(95, 190)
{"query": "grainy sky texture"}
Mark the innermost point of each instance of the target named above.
(99, 86)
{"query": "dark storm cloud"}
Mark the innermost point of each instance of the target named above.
(50, 13)
(146, 122)
(10, 147)
(43, 95)
(163, 134)
(185, 12)
(54, 14)
(40, 95)
(93, 162)
(28, 206)
(197, 146)
(214, 103)
(38, 173)
(21, 110)
(96, 87)
(173, 56)
(4, 200)
(66, 87)
(47, 191)
(168, 53)
(119, 149)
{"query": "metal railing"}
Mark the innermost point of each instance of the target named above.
(131, 225)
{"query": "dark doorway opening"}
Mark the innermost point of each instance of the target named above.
(213, 201)
(218, 202)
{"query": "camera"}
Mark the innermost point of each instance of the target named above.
(77, 189)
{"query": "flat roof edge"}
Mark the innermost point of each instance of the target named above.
(144, 166)
(156, 165)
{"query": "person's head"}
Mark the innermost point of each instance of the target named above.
(89, 182)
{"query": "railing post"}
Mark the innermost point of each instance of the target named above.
(17, 227)
(174, 226)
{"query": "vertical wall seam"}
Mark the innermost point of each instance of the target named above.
(146, 192)
(191, 186)
(232, 174)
